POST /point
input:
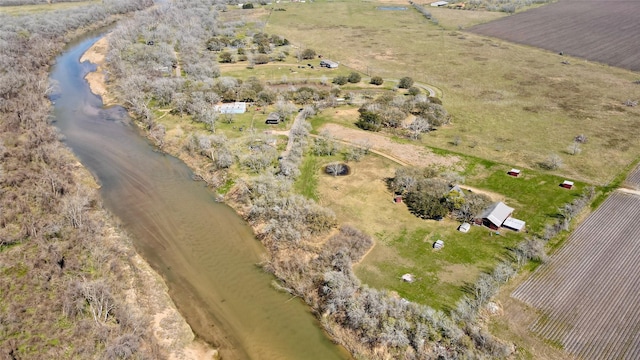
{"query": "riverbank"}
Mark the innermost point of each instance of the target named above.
(97, 79)
(145, 287)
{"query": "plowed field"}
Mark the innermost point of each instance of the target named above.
(606, 31)
(588, 294)
(633, 180)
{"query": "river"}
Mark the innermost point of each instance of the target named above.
(205, 252)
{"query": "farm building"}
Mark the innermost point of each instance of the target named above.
(494, 216)
(232, 108)
(439, 3)
(329, 64)
(514, 172)
(499, 215)
(439, 244)
(513, 224)
(273, 118)
(464, 227)
(567, 184)
(397, 199)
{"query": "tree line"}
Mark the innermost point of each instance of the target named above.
(63, 288)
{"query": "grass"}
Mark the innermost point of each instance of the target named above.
(535, 196)
(307, 183)
(40, 8)
(404, 242)
(509, 103)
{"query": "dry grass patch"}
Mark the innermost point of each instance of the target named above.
(510, 103)
(19, 10)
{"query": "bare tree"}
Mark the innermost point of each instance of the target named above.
(98, 296)
(574, 148)
(335, 168)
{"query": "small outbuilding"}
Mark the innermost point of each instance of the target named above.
(397, 199)
(408, 278)
(439, 3)
(273, 119)
(464, 227)
(567, 184)
(514, 172)
(513, 224)
(329, 64)
(439, 244)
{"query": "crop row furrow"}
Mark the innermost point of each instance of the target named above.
(588, 291)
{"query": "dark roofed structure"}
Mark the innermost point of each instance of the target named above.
(273, 118)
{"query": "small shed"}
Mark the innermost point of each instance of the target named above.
(329, 64)
(514, 172)
(439, 244)
(273, 119)
(567, 184)
(464, 227)
(408, 278)
(439, 3)
(513, 224)
(397, 199)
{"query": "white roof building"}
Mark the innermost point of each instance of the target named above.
(513, 224)
(232, 108)
(439, 3)
(496, 214)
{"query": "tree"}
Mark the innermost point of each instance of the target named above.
(354, 77)
(574, 148)
(419, 126)
(425, 206)
(247, 6)
(340, 80)
(369, 120)
(226, 57)
(308, 54)
(334, 168)
(405, 83)
(413, 91)
(376, 80)
(553, 162)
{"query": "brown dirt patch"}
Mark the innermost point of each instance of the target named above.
(458, 274)
(567, 26)
(96, 79)
(410, 154)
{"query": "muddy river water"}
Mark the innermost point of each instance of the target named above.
(205, 252)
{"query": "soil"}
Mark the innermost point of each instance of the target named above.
(567, 27)
(405, 154)
(97, 81)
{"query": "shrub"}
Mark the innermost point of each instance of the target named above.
(354, 77)
(405, 83)
(376, 80)
(308, 54)
(413, 91)
(369, 120)
(340, 80)
(247, 6)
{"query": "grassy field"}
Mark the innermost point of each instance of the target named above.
(510, 103)
(39, 8)
(404, 242)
